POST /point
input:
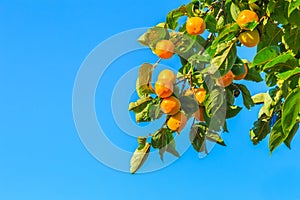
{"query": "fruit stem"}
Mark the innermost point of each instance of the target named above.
(157, 62)
(182, 88)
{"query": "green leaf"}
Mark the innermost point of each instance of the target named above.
(265, 55)
(291, 135)
(234, 10)
(282, 16)
(253, 75)
(143, 115)
(232, 111)
(271, 79)
(286, 60)
(294, 18)
(248, 102)
(291, 39)
(293, 6)
(288, 74)
(220, 22)
(140, 104)
(277, 136)
(142, 142)
(139, 157)
(271, 7)
(214, 137)
(197, 137)
(143, 85)
(169, 147)
(161, 138)
(290, 111)
(270, 35)
(226, 34)
(260, 130)
(211, 23)
(230, 95)
(238, 67)
(174, 15)
(251, 25)
(224, 59)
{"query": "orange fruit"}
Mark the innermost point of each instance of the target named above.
(249, 38)
(200, 94)
(167, 74)
(164, 49)
(163, 88)
(199, 114)
(177, 122)
(195, 25)
(170, 105)
(225, 80)
(245, 17)
(242, 76)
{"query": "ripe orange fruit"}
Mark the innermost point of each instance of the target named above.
(167, 75)
(163, 88)
(170, 105)
(199, 114)
(164, 49)
(249, 38)
(242, 76)
(177, 122)
(225, 80)
(195, 25)
(200, 94)
(245, 17)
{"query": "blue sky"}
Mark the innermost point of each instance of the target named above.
(42, 46)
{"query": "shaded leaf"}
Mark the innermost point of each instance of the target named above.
(291, 39)
(291, 135)
(290, 111)
(197, 138)
(232, 111)
(253, 75)
(260, 130)
(248, 102)
(277, 136)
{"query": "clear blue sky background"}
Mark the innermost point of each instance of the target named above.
(42, 45)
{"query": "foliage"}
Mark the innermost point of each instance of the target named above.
(205, 60)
